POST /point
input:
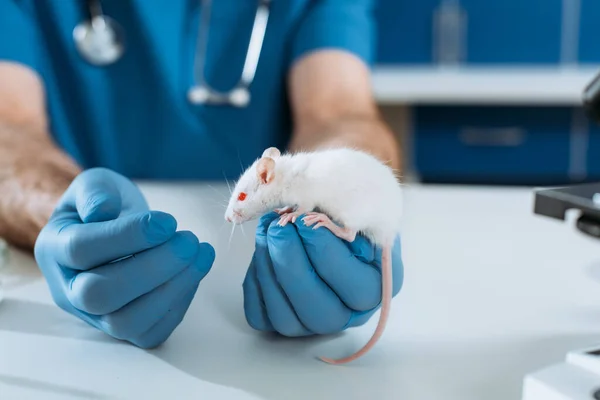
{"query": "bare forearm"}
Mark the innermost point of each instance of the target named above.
(365, 133)
(34, 173)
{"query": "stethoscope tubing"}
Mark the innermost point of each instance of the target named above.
(100, 26)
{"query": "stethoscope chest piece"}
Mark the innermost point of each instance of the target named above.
(100, 41)
(202, 94)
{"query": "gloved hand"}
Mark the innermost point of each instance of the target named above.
(304, 282)
(115, 264)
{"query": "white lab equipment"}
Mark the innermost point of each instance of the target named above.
(101, 41)
(577, 378)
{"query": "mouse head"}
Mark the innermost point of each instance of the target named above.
(255, 192)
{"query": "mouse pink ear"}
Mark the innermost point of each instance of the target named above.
(271, 152)
(265, 169)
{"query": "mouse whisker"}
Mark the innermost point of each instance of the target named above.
(218, 204)
(243, 231)
(240, 160)
(231, 235)
(217, 201)
(229, 186)
(221, 228)
(220, 208)
(217, 192)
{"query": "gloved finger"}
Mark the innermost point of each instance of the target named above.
(360, 318)
(161, 331)
(368, 253)
(365, 251)
(357, 283)
(84, 246)
(279, 310)
(144, 312)
(96, 197)
(254, 304)
(397, 267)
(264, 222)
(317, 306)
(109, 287)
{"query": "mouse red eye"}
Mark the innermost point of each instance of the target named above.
(241, 196)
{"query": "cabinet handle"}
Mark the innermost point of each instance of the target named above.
(492, 137)
(449, 33)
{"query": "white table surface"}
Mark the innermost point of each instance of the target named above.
(491, 293)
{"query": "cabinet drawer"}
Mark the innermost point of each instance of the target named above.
(492, 144)
(513, 31)
(589, 32)
(483, 32)
(404, 33)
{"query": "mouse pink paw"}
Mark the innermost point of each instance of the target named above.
(312, 217)
(323, 220)
(285, 218)
(284, 210)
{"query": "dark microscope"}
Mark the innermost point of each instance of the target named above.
(555, 202)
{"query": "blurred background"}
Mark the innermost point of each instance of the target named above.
(489, 91)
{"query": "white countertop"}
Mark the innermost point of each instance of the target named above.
(477, 85)
(491, 293)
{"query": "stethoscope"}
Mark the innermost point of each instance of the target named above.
(101, 41)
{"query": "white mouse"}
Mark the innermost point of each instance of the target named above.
(357, 191)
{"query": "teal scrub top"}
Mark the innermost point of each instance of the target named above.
(134, 116)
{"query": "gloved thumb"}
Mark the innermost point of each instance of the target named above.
(97, 196)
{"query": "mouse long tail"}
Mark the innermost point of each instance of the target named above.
(386, 300)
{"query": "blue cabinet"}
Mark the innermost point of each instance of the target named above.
(404, 31)
(589, 32)
(494, 31)
(502, 144)
(513, 31)
(485, 144)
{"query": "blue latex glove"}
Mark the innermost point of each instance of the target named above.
(304, 282)
(115, 264)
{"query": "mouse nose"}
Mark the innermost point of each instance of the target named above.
(228, 219)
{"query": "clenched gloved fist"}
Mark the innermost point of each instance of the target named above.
(115, 264)
(304, 282)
